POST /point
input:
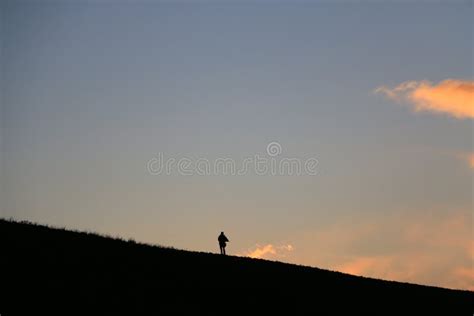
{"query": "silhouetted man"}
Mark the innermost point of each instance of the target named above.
(222, 240)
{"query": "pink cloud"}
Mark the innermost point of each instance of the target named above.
(471, 160)
(467, 275)
(433, 248)
(467, 158)
(379, 265)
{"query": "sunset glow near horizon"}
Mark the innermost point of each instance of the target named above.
(371, 103)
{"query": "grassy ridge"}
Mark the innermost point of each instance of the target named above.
(58, 271)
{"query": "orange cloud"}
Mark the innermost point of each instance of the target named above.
(268, 251)
(452, 96)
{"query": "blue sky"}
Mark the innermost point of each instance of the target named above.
(91, 92)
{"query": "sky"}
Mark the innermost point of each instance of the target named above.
(375, 98)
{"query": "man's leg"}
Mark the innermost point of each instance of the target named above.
(223, 250)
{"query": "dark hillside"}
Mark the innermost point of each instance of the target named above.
(53, 271)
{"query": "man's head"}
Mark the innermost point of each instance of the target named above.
(222, 233)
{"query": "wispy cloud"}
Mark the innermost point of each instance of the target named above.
(452, 96)
(369, 265)
(467, 158)
(412, 246)
(268, 251)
